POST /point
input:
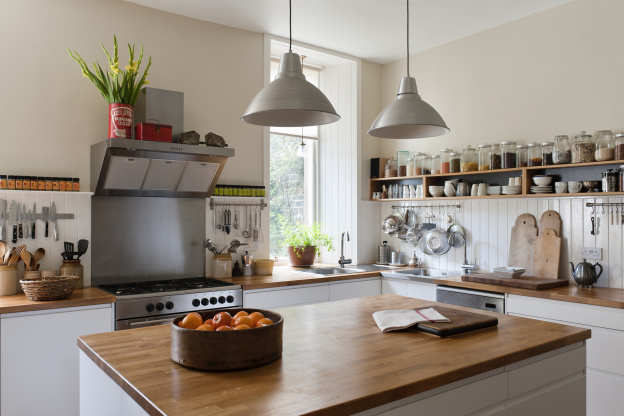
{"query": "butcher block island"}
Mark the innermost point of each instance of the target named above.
(336, 361)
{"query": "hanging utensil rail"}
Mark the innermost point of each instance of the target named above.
(412, 205)
(260, 204)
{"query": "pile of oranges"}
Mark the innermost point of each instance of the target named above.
(223, 321)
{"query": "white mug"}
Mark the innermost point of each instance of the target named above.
(561, 187)
(482, 189)
(512, 181)
(574, 187)
(518, 181)
(474, 191)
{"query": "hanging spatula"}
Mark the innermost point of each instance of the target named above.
(83, 245)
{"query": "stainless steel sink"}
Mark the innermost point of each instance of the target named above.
(370, 267)
(420, 275)
(330, 270)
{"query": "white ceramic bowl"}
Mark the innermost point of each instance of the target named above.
(509, 272)
(542, 180)
(436, 191)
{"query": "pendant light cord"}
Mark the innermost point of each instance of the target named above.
(408, 74)
(290, 25)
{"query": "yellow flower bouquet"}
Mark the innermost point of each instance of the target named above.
(115, 84)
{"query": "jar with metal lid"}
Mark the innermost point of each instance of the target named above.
(583, 148)
(621, 184)
(425, 164)
(610, 181)
(391, 170)
(561, 150)
(547, 151)
(410, 166)
(605, 146)
(455, 163)
(402, 156)
(495, 157)
(445, 160)
(535, 154)
(418, 163)
(484, 156)
(469, 160)
(522, 156)
(509, 155)
(435, 164)
(619, 146)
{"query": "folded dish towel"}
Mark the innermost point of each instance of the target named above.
(403, 318)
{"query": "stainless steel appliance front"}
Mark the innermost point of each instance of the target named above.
(487, 301)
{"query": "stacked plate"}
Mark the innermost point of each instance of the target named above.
(509, 272)
(493, 190)
(542, 189)
(512, 190)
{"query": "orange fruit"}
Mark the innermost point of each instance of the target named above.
(241, 313)
(205, 327)
(191, 321)
(222, 319)
(224, 328)
(255, 317)
(242, 326)
(263, 322)
(244, 320)
(209, 322)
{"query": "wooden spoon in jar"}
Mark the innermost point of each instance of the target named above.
(37, 257)
(26, 258)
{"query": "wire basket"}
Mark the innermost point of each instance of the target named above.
(49, 287)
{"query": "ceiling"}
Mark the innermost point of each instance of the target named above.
(373, 30)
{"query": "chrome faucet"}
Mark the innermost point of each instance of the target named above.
(342, 260)
(466, 267)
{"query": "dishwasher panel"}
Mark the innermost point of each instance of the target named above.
(485, 301)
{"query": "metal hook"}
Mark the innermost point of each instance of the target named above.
(603, 211)
(593, 209)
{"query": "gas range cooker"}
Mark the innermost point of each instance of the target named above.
(158, 302)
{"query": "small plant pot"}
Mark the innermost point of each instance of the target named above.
(301, 257)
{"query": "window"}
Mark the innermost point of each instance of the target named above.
(292, 173)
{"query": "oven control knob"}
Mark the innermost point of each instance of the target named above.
(195, 302)
(230, 299)
(221, 299)
(169, 305)
(160, 306)
(205, 301)
(213, 301)
(150, 307)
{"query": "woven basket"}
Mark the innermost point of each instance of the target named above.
(50, 287)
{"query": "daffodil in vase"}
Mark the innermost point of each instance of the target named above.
(120, 87)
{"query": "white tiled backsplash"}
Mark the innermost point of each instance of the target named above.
(488, 223)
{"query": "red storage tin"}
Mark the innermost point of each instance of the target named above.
(153, 132)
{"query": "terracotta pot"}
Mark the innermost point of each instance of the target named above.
(301, 257)
(120, 117)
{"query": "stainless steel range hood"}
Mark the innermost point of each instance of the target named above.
(122, 167)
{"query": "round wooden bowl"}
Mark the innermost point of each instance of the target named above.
(227, 350)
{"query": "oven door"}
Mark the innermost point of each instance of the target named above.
(145, 321)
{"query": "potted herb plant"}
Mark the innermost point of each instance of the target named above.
(305, 242)
(118, 86)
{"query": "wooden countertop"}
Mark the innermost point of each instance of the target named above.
(81, 297)
(335, 362)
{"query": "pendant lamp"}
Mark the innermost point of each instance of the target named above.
(408, 117)
(290, 100)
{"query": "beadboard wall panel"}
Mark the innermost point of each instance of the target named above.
(488, 222)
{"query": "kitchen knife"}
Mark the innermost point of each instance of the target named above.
(45, 212)
(13, 220)
(19, 220)
(29, 219)
(3, 215)
(34, 220)
(53, 219)
(25, 220)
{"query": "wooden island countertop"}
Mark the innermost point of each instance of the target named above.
(335, 361)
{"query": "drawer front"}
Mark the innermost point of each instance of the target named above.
(393, 287)
(354, 289)
(286, 297)
(425, 291)
(604, 394)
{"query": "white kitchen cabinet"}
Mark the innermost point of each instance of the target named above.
(286, 296)
(605, 367)
(419, 290)
(39, 358)
(393, 287)
(358, 288)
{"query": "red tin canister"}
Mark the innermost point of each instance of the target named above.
(153, 132)
(120, 118)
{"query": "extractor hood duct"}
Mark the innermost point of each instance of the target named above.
(122, 167)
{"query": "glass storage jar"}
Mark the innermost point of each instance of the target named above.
(561, 150)
(469, 160)
(410, 166)
(535, 154)
(619, 146)
(455, 163)
(435, 164)
(418, 163)
(509, 155)
(522, 156)
(547, 153)
(484, 156)
(495, 157)
(402, 156)
(425, 163)
(391, 170)
(605, 146)
(445, 160)
(583, 148)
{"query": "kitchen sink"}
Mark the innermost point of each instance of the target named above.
(369, 267)
(351, 268)
(420, 275)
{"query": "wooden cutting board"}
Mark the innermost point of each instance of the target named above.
(546, 254)
(524, 282)
(550, 219)
(521, 242)
(461, 321)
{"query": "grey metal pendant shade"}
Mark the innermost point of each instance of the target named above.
(408, 117)
(290, 100)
